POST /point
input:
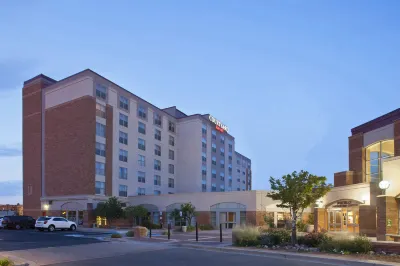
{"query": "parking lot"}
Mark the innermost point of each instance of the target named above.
(11, 240)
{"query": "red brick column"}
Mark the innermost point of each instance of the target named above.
(356, 157)
(320, 219)
(396, 132)
(387, 217)
(367, 220)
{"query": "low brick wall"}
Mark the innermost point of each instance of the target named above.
(392, 247)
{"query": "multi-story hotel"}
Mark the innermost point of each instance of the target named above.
(85, 138)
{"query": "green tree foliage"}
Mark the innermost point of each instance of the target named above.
(296, 192)
(111, 209)
(188, 212)
(136, 212)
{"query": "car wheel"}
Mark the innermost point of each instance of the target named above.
(51, 228)
(17, 227)
(72, 228)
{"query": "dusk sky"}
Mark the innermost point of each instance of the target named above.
(289, 78)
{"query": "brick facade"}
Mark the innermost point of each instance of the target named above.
(203, 217)
(367, 220)
(356, 157)
(396, 126)
(343, 178)
(70, 148)
(387, 217)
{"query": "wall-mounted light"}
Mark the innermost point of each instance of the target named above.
(384, 184)
(46, 207)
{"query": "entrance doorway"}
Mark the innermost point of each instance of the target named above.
(228, 219)
(343, 216)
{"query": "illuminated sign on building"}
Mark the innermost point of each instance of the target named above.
(218, 125)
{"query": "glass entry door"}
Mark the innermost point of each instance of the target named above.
(335, 220)
(231, 219)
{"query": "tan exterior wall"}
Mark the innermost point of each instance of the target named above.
(358, 192)
(109, 151)
(391, 173)
(387, 217)
(320, 219)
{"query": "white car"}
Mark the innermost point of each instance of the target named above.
(54, 223)
(1, 222)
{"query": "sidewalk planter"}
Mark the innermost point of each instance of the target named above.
(184, 229)
(310, 228)
(140, 231)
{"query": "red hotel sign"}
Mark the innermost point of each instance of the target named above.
(218, 125)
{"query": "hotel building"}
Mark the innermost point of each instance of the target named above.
(85, 138)
(365, 199)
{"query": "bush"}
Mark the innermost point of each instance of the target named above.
(205, 227)
(246, 236)
(6, 262)
(130, 234)
(360, 244)
(190, 228)
(116, 236)
(311, 219)
(149, 225)
(269, 220)
(301, 226)
(275, 237)
(165, 233)
(313, 239)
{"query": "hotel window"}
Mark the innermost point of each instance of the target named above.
(123, 138)
(213, 134)
(230, 178)
(213, 147)
(141, 144)
(157, 150)
(230, 147)
(100, 149)
(157, 192)
(230, 168)
(141, 191)
(238, 189)
(373, 159)
(222, 163)
(171, 155)
(222, 188)
(157, 180)
(222, 150)
(213, 173)
(123, 173)
(229, 188)
(157, 134)
(203, 143)
(141, 177)
(230, 159)
(244, 182)
(238, 170)
(238, 161)
(171, 169)
(142, 112)
(213, 219)
(123, 155)
(222, 176)
(171, 141)
(141, 160)
(123, 120)
(204, 129)
(123, 103)
(100, 110)
(157, 119)
(238, 179)
(203, 185)
(204, 157)
(157, 165)
(213, 187)
(243, 173)
(100, 130)
(222, 139)
(214, 160)
(101, 91)
(203, 171)
(100, 188)
(141, 128)
(123, 191)
(171, 183)
(171, 126)
(100, 168)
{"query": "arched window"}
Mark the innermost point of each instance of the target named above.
(373, 159)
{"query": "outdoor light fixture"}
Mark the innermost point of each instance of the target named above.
(384, 184)
(46, 206)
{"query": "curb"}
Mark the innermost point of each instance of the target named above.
(290, 256)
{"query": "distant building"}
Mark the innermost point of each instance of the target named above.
(8, 209)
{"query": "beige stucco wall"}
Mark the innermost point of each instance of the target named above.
(382, 133)
(391, 173)
(69, 91)
(358, 192)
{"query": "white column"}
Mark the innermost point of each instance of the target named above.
(276, 219)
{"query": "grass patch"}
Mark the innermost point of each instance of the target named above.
(6, 262)
(116, 236)
(205, 227)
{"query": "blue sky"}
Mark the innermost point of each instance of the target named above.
(289, 78)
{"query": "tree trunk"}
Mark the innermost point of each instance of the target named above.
(294, 233)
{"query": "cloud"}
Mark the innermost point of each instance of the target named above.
(10, 150)
(10, 188)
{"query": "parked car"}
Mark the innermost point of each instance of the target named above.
(1, 220)
(18, 222)
(54, 223)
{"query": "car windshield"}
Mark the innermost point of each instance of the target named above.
(44, 218)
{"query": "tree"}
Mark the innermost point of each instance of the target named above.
(136, 212)
(188, 212)
(296, 192)
(111, 209)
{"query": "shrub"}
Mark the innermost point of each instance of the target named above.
(165, 233)
(301, 226)
(190, 228)
(116, 236)
(246, 236)
(6, 262)
(311, 219)
(313, 239)
(130, 234)
(269, 220)
(360, 244)
(205, 227)
(273, 237)
(149, 225)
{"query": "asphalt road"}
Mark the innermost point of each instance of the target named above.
(26, 239)
(192, 257)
